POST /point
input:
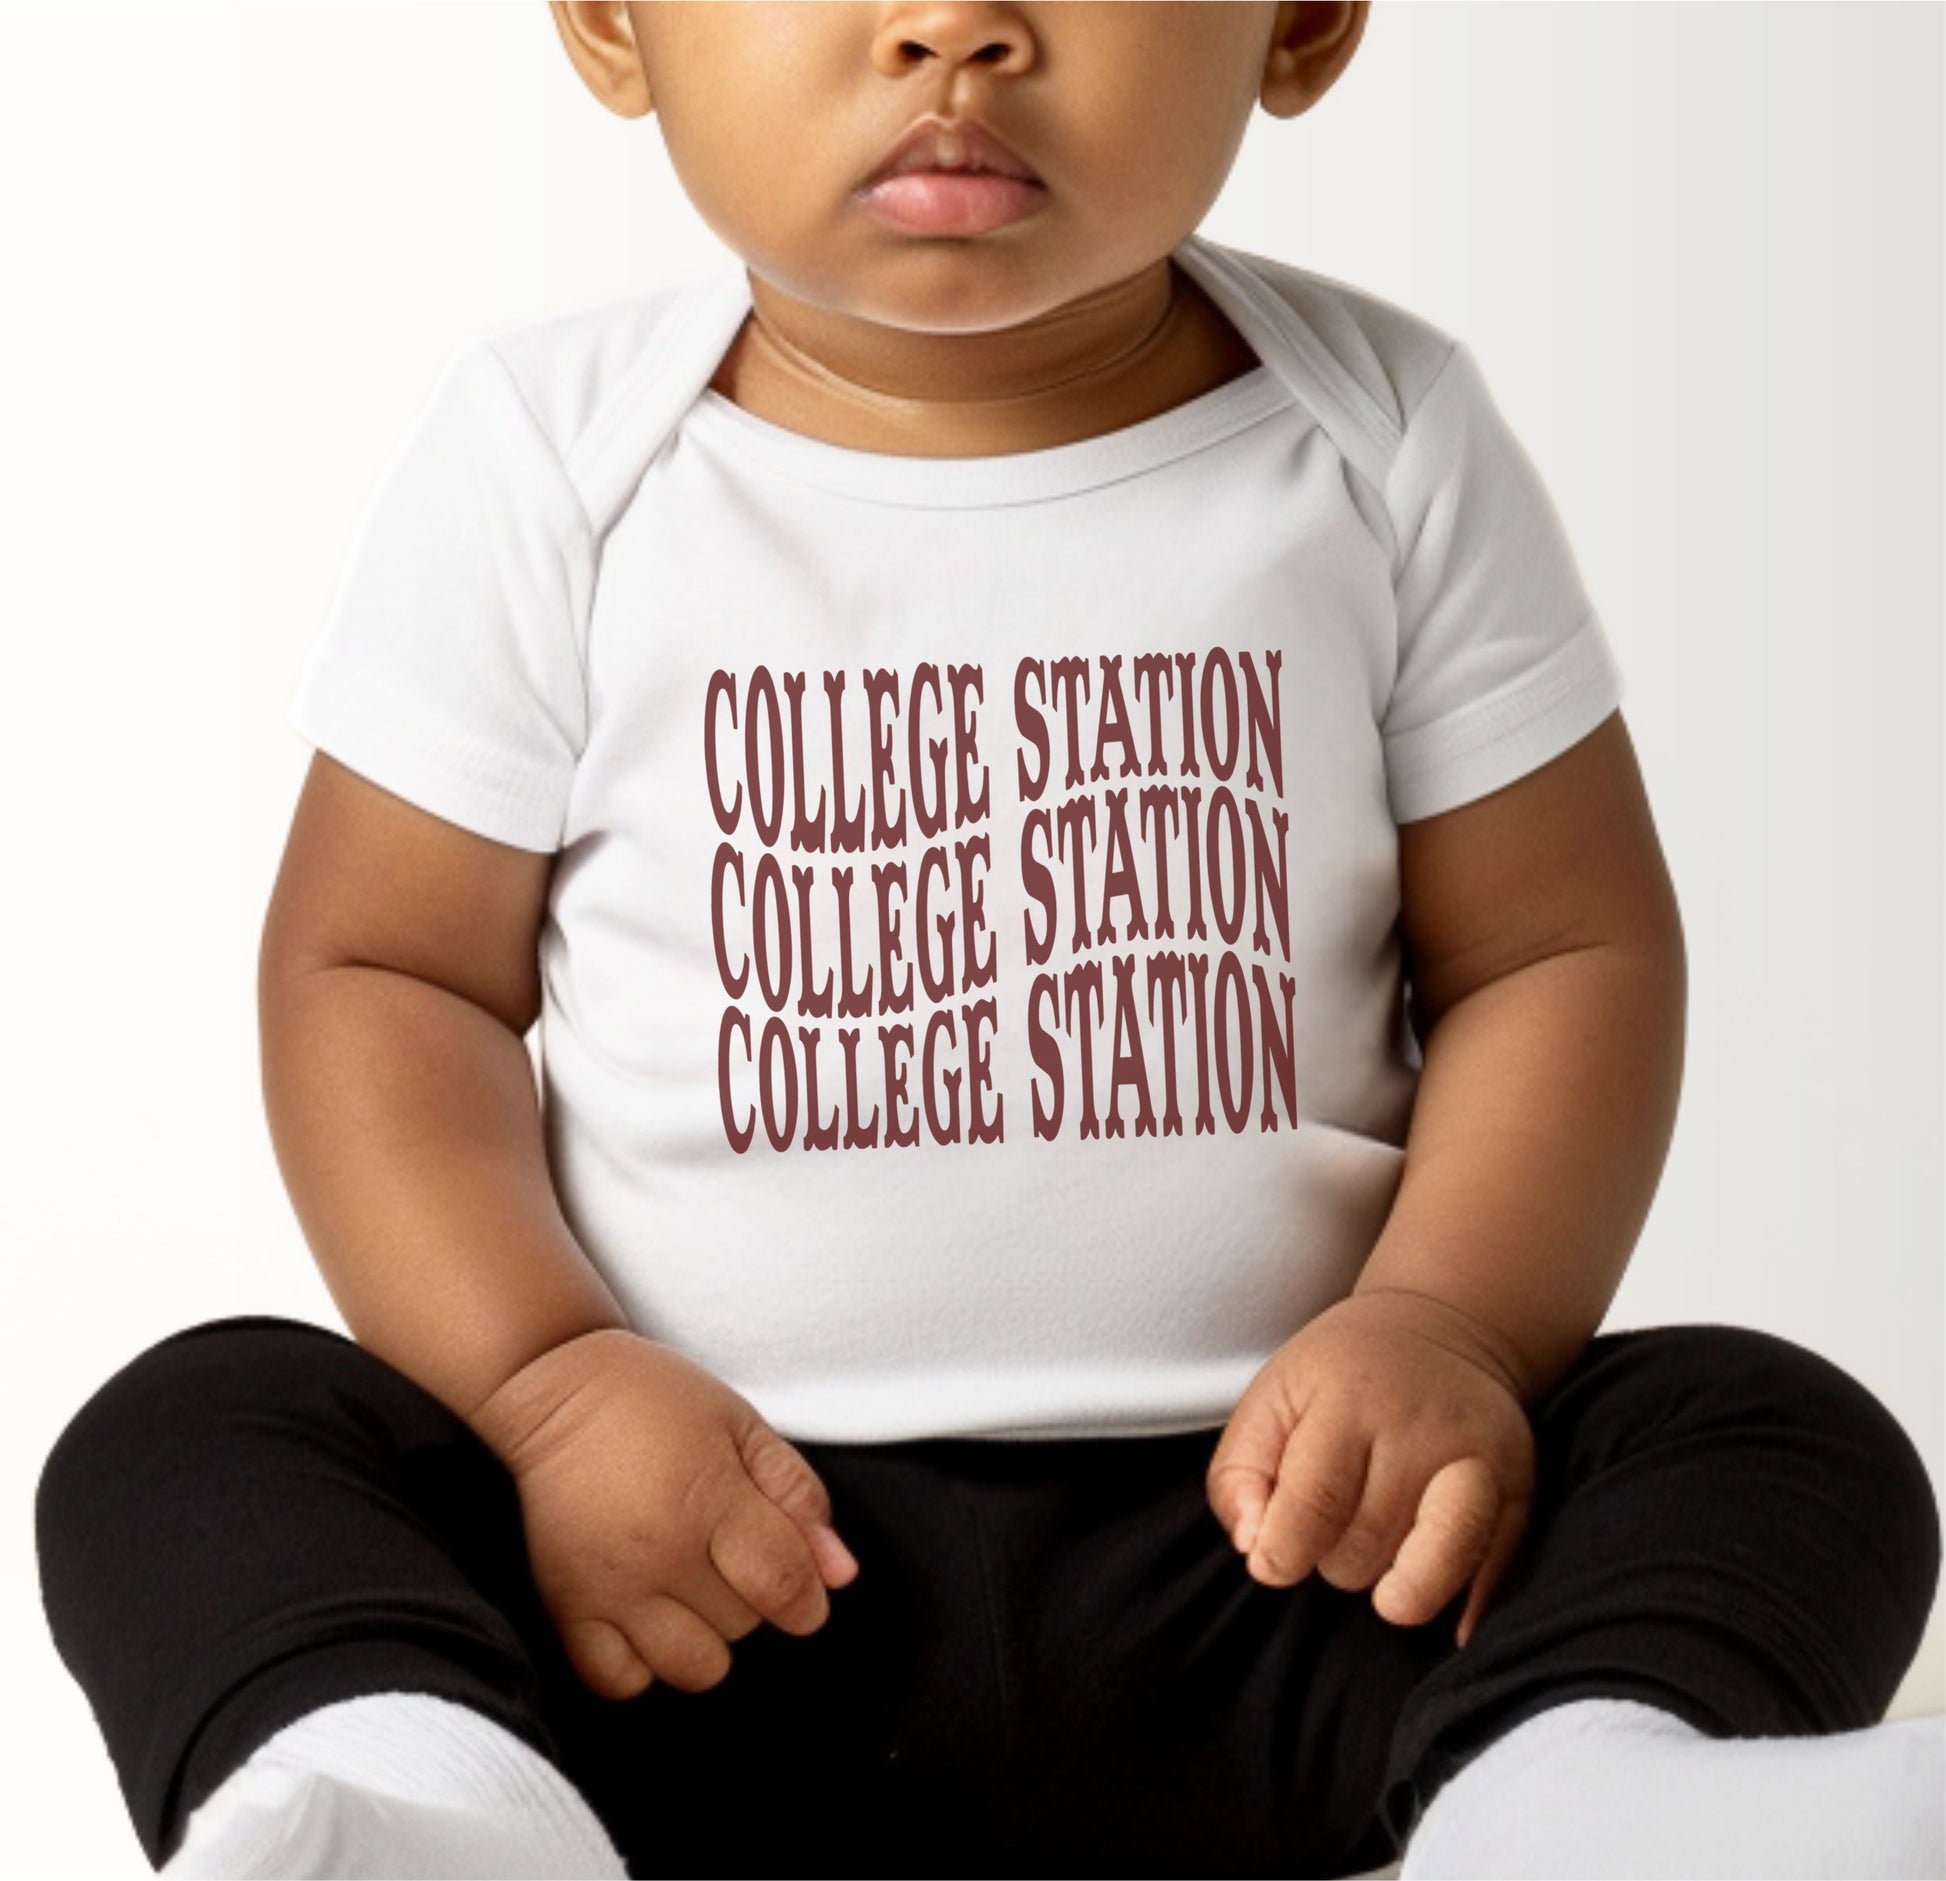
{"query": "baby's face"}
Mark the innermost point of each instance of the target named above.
(1128, 113)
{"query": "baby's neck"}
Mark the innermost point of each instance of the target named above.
(1190, 350)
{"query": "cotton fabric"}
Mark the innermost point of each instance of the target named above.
(1051, 1661)
(973, 995)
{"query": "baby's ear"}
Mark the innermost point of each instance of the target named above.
(1310, 44)
(600, 39)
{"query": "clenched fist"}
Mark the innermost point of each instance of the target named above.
(1383, 1442)
(664, 1518)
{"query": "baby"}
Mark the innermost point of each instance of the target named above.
(1111, 1012)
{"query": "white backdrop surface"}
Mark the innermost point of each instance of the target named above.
(1697, 249)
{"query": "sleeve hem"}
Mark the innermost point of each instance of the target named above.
(1492, 742)
(337, 712)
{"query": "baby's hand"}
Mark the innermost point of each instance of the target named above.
(663, 1516)
(1381, 1442)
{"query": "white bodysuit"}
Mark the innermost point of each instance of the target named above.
(972, 984)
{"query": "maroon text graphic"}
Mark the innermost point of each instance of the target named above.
(1151, 859)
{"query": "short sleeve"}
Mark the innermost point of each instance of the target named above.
(1502, 661)
(449, 670)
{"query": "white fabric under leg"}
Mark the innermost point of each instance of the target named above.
(1611, 1788)
(391, 1785)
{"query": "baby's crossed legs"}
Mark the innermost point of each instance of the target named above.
(1052, 1659)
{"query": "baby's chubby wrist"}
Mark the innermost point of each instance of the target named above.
(1460, 1331)
(512, 1417)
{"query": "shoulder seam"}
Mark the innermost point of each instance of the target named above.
(1401, 549)
(1452, 353)
(533, 418)
(684, 301)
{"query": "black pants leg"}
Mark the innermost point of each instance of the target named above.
(1726, 1525)
(1052, 1660)
(256, 1516)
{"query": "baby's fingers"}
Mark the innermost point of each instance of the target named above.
(604, 1658)
(763, 1554)
(1242, 1469)
(1450, 1538)
(1506, 1543)
(783, 1472)
(1320, 1481)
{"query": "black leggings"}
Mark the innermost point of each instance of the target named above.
(1052, 1660)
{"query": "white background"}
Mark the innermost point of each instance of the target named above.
(1697, 249)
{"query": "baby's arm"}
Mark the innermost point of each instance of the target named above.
(399, 973)
(397, 976)
(1549, 983)
(1387, 1442)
